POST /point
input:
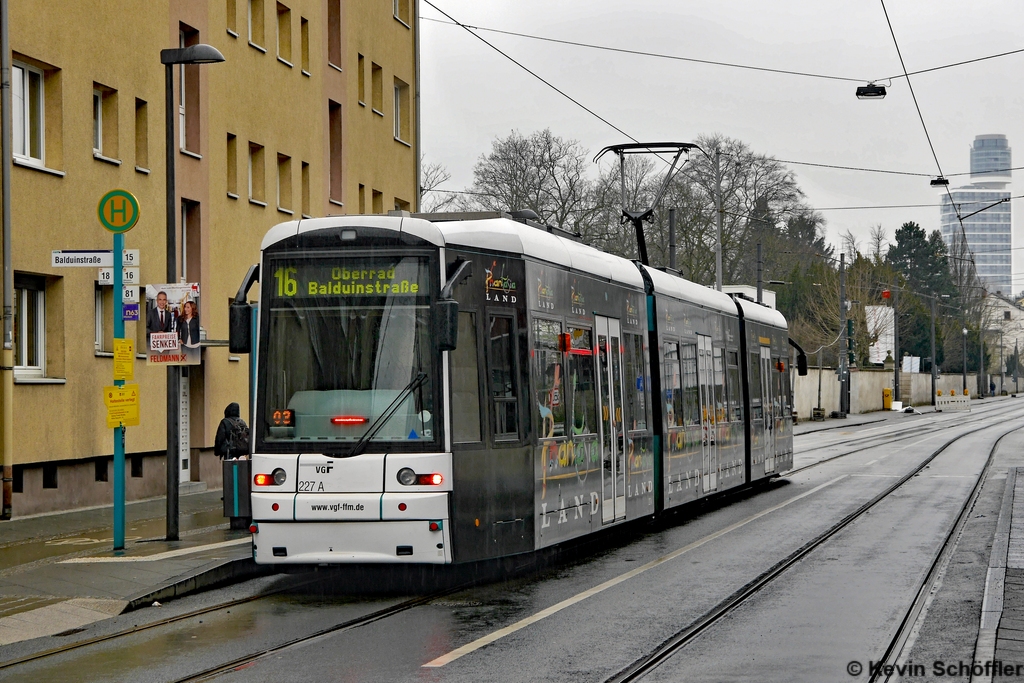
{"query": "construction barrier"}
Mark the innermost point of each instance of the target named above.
(952, 401)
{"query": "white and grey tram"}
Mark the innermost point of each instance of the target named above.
(455, 389)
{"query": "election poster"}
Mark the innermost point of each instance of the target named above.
(173, 330)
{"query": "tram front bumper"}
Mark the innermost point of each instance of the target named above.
(405, 542)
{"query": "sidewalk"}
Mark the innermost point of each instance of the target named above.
(58, 572)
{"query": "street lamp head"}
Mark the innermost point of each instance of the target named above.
(964, 331)
(870, 92)
(193, 54)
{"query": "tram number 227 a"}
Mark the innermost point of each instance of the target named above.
(311, 486)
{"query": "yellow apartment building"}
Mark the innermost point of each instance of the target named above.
(313, 113)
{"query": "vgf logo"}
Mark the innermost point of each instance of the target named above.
(324, 469)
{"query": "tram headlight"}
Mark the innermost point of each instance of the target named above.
(406, 476)
(275, 478)
(279, 476)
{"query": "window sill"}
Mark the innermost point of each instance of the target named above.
(37, 166)
(187, 153)
(361, 103)
(335, 66)
(257, 202)
(402, 22)
(232, 195)
(398, 139)
(378, 112)
(287, 211)
(103, 354)
(40, 380)
(233, 34)
(285, 62)
(306, 215)
(305, 73)
(140, 169)
(257, 47)
(335, 202)
(105, 159)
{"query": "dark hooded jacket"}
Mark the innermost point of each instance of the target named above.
(220, 443)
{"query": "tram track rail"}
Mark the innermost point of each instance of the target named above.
(678, 641)
(886, 669)
(908, 432)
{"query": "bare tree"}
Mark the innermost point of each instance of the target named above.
(878, 242)
(432, 198)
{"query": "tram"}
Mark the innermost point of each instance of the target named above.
(455, 388)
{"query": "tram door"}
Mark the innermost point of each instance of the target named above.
(613, 458)
(708, 413)
(768, 404)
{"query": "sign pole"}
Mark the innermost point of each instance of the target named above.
(119, 430)
(118, 212)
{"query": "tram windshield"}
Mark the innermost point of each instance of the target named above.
(344, 339)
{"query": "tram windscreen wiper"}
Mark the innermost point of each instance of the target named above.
(388, 413)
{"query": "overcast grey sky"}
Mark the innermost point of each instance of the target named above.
(471, 94)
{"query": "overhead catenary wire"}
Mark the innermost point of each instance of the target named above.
(711, 62)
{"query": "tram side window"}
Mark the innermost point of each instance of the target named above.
(636, 399)
(691, 397)
(719, 380)
(504, 393)
(466, 383)
(547, 378)
(754, 370)
(735, 390)
(673, 385)
(580, 382)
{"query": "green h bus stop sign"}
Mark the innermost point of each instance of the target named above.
(118, 211)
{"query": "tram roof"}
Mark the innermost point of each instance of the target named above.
(761, 314)
(679, 288)
(499, 234)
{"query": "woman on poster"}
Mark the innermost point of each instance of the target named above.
(188, 327)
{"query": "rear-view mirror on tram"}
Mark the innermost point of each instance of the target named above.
(446, 310)
(240, 327)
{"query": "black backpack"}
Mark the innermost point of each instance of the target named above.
(237, 441)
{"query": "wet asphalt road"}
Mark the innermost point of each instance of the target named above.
(840, 604)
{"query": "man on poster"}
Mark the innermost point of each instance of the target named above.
(173, 334)
(158, 319)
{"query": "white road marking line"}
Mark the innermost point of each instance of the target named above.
(579, 597)
(159, 556)
(868, 464)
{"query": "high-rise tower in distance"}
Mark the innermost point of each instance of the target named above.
(989, 233)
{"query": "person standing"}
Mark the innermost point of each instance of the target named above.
(232, 440)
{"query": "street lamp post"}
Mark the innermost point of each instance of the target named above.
(194, 54)
(964, 345)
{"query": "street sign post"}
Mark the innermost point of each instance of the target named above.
(118, 212)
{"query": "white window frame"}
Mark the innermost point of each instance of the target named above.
(97, 121)
(20, 335)
(21, 106)
(181, 96)
(398, 110)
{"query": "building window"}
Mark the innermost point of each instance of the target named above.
(50, 476)
(402, 11)
(334, 122)
(334, 32)
(232, 166)
(284, 182)
(360, 65)
(29, 326)
(305, 190)
(362, 198)
(102, 469)
(232, 17)
(304, 38)
(104, 121)
(256, 185)
(27, 110)
(188, 86)
(191, 241)
(377, 83)
(19, 479)
(402, 112)
(256, 23)
(104, 297)
(284, 33)
(378, 201)
(401, 205)
(141, 135)
(136, 466)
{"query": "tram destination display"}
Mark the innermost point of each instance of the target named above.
(349, 278)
